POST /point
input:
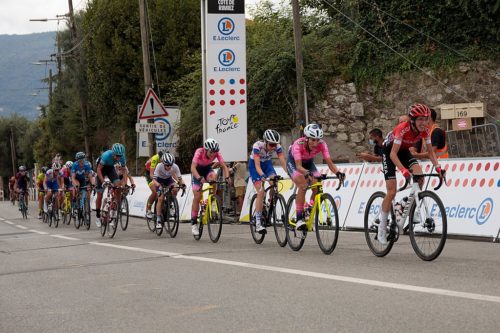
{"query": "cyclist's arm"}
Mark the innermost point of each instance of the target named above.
(45, 182)
(152, 167)
(333, 168)
(256, 159)
(194, 172)
(60, 181)
(131, 179)
(300, 168)
(282, 160)
(394, 156)
(432, 155)
(99, 173)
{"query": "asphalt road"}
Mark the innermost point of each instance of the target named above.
(68, 280)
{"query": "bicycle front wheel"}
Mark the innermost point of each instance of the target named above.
(294, 238)
(428, 226)
(371, 224)
(55, 214)
(86, 213)
(124, 214)
(258, 238)
(173, 216)
(214, 211)
(279, 219)
(326, 224)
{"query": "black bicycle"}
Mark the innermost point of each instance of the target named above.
(82, 216)
(52, 215)
(169, 210)
(426, 219)
(273, 213)
(124, 211)
(23, 208)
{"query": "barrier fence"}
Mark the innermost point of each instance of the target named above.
(470, 196)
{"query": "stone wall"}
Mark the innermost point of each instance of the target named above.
(348, 112)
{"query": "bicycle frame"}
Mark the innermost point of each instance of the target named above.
(208, 208)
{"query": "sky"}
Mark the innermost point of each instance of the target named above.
(15, 14)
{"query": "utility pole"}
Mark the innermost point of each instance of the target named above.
(299, 65)
(50, 87)
(82, 91)
(145, 64)
(12, 149)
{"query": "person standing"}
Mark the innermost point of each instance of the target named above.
(377, 141)
(438, 141)
(240, 174)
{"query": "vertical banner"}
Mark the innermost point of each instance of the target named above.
(225, 88)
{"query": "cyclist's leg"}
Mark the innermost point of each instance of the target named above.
(152, 197)
(301, 183)
(259, 189)
(98, 202)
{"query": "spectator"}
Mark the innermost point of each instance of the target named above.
(438, 140)
(240, 174)
(377, 141)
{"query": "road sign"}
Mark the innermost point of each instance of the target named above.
(152, 107)
(158, 128)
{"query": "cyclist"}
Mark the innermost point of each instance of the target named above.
(81, 172)
(123, 173)
(261, 167)
(106, 167)
(201, 171)
(301, 167)
(22, 181)
(53, 181)
(166, 173)
(68, 184)
(39, 188)
(12, 192)
(397, 154)
(150, 170)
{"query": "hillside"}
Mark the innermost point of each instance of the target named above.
(19, 78)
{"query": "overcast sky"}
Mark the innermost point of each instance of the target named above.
(15, 14)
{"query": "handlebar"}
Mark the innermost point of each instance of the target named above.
(417, 177)
(171, 187)
(325, 177)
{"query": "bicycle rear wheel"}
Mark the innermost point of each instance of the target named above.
(371, 225)
(294, 238)
(55, 213)
(257, 237)
(124, 214)
(326, 224)
(86, 213)
(199, 225)
(428, 226)
(151, 221)
(214, 219)
(173, 216)
(278, 219)
(77, 221)
(23, 208)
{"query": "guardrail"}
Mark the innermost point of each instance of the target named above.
(480, 141)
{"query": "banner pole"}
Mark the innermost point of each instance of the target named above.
(203, 67)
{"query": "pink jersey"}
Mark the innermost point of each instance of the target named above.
(200, 157)
(300, 150)
(65, 172)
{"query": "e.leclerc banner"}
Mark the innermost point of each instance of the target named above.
(225, 79)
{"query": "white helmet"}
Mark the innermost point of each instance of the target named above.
(211, 144)
(313, 131)
(168, 159)
(272, 136)
(68, 164)
(56, 166)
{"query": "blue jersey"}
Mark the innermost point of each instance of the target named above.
(81, 171)
(107, 159)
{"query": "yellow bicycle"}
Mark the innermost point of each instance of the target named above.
(66, 208)
(210, 213)
(323, 213)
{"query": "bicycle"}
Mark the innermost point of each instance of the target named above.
(210, 213)
(169, 211)
(82, 216)
(426, 219)
(23, 208)
(53, 210)
(66, 208)
(273, 213)
(124, 207)
(325, 215)
(111, 210)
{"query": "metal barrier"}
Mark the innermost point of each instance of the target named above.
(480, 141)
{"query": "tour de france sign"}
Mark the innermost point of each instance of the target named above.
(225, 77)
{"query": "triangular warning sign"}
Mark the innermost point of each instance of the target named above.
(152, 107)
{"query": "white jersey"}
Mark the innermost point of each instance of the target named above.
(259, 148)
(161, 172)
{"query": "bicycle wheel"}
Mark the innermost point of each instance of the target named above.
(257, 237)
(372, 212)
(64, 211)
(77, 221)
(214, 219)
(173, 216)
(278, 219)
(151, 221)
(124, 214)
(113, 221)
(55, 213)
(294, 238)
(22, 207)
(86, 213)
(199, 224)
(428, 226)
(104, 223)
(326, 224)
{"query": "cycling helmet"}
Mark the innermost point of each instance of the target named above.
(211, 144)
(22, 168)
(118, 149)
(419, 110)
(313, 131)
(160, 153)
(80, 155)
(168, 159)
(69, 164)
(56, 166)
(44, 169)
(272, 136)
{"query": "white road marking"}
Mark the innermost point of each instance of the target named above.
(65, 237)
(375, 283)
(1, 219)
(38, 232)
(8, 222)
(21, 227)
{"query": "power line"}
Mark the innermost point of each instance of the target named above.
(153, 48)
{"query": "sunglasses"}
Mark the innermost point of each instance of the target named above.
(167, 165)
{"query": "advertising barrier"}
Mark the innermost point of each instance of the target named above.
(471, 195)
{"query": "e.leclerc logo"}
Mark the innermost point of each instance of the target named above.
(484, 211)
(226, 26)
